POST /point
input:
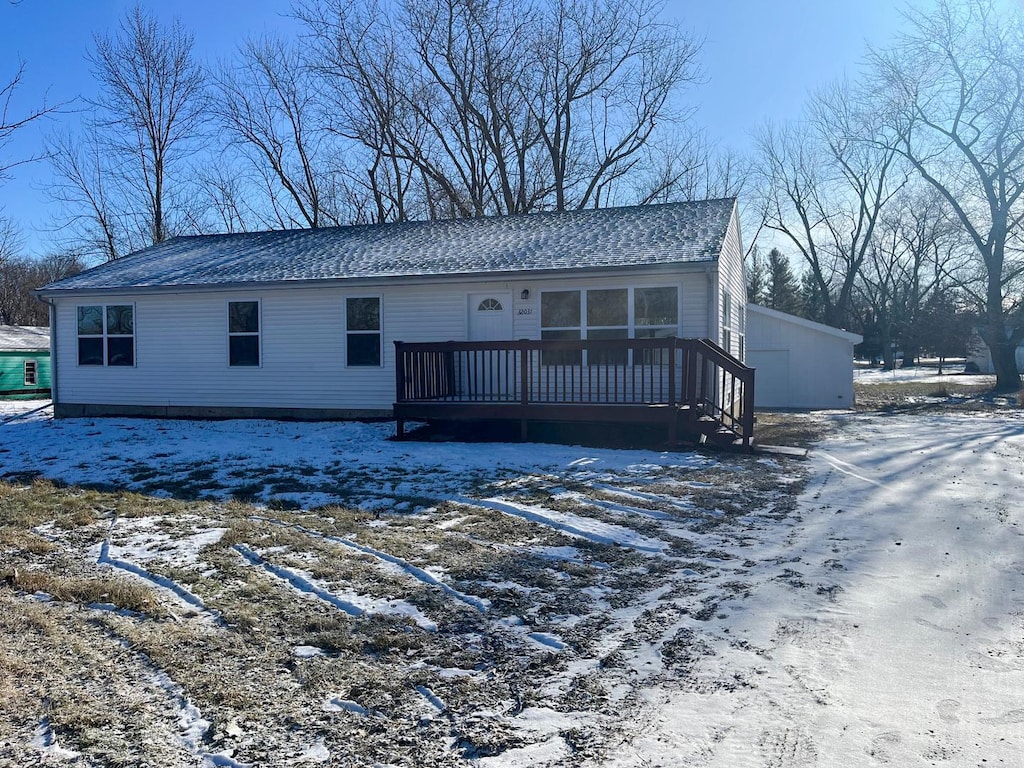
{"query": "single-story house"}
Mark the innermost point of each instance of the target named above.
(24, 361)
(304, 323)
(800, 363)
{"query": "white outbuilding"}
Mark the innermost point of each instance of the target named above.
(798, 363)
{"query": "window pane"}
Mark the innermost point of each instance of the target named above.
(363, 314)
(30, 373)
(616, 356)
(489, 305)
(90, 321)
(607, 307)
(244, 317)
(656, 306)
(120, 320)
(90, 351)
(561, 357)
(364, 349)
(244, 350)
(120, 351)
(560, 309)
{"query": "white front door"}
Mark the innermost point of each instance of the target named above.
(490, 317)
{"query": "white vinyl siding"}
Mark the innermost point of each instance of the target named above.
(180, 342)
(732, 292)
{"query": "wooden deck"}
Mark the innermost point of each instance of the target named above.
(692, 387)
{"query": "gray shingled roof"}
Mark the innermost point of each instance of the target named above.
(608, 237)
(23, 338)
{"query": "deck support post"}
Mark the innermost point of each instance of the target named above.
(522, 430)
(400, 428)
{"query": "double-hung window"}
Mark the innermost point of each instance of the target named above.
(243, 333)
(363, 332)
(106, 334)
(31, 373)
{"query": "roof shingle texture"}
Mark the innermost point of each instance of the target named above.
(608, 237)
(23, 338)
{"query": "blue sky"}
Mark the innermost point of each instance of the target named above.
(761, 57)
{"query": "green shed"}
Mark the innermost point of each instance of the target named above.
(24, 361)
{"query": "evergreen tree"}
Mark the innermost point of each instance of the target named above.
(811, 298)
(782, 292)
(756, 278)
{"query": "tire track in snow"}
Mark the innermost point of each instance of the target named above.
(408, 568)
(308, 586)
(573, 525)
(846, 468)
(192, 727)
(180, 592)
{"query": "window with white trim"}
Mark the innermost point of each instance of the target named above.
(363, 332)
(243, 334)
(611, 313)
(106, 334)
(727, 321)
(31, 373)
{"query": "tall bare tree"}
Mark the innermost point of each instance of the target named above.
(471, 107)
(914, 253)
(824, 192)
(268, 101)
(129, 172)
(953, 90)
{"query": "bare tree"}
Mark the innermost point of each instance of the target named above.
(10, 123)
(269, 103)
(465, 108)
(953, 90)
(914, 253)
(824, 192)
(129, 174)
(86, 192)
(607, 70)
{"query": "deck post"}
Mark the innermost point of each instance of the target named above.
(748, 413)
(524, 375)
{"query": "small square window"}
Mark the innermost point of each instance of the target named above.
(106, 335)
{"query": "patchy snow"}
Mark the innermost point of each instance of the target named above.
(879, 621)
(951, 375)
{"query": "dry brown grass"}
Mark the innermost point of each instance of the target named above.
(123, 593)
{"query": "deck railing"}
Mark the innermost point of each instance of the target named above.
(691, 374)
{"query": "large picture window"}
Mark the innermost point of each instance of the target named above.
(243, 333)
(106, 334)
(607, 313)
(363, 332)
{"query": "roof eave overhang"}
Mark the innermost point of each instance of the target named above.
(474, 277)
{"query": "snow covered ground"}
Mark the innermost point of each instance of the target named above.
(951, 375)
(690, 611)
